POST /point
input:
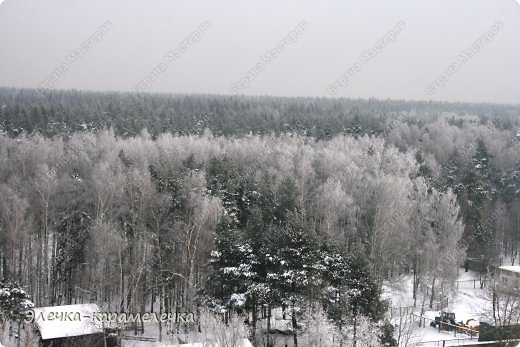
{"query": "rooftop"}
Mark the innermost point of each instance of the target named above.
(66, 321)
(510, 268)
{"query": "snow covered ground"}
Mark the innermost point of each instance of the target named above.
(466, 300)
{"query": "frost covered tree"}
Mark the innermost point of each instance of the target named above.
(501, 313)
(319, 330)
(406, 331)
(15, 225)
(221, 333)
(365, 333)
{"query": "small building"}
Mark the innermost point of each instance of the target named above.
(509, 276)
(69, 325)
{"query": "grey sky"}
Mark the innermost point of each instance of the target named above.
(36, 37)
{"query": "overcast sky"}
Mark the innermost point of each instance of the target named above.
(325, 47)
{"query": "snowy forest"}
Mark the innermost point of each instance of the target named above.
(240, 205)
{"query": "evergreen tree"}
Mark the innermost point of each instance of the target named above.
(294, 265)
(14, 302)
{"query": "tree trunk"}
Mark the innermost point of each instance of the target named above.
(161, 310)
(294, 325)
(415, 279)
(269, 325)
(433, 292)
(121, 284)
(254, 317)
(354, 338)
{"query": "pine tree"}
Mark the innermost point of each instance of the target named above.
(476, 191)
(352, 293)
(14, 302)
(294, 266)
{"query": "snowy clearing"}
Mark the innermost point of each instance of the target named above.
(467, 302)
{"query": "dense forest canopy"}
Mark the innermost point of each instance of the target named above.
(130, 200)
(63, 112)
